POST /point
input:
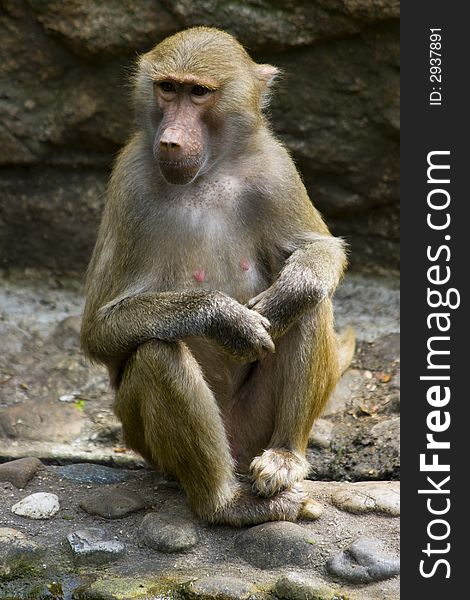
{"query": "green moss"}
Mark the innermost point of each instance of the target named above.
(130, 588)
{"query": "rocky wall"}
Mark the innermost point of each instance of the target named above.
(65, 113)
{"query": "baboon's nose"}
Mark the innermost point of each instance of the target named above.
(171, 140)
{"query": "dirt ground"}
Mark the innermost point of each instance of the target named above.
(56, 406)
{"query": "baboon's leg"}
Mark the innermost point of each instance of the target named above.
(171, 417)
(292, 387)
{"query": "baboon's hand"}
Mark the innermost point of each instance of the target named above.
(242, 332)
(282, 304)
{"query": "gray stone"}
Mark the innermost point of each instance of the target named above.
(89, 546)
(91, 473)
(364, 561)
(168, 532)
(369, 496)
(388, 433)
(276, 544)
(37, 506)
(20, 471)
(296, 586)
(112, 503)
(321, 433)
(219, 588)
(17, 552)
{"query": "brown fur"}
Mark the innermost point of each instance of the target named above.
(210, 302)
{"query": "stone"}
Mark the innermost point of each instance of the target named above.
(369, 496)
(17, 552)
(49, 421)
(91, 473)
(220, 588)
(20, 471)
(112, 503)
(364, 561)
(387, 433)
(321, 434)
(312, 510)
(276, 544)
(37, 506)
(90, 546)
(168, 532)
(297, 586)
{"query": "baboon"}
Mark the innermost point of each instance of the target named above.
(209, 290)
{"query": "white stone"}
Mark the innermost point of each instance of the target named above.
(37, 506)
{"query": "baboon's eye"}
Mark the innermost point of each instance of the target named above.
(167, 86)
(200, 90)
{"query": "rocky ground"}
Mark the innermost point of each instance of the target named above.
(112, 528)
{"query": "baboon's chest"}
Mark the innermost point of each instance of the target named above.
(215, 249)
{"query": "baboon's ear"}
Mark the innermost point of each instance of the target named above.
(267, 74)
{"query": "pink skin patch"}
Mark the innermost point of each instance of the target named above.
(199, 275)
(244, 264)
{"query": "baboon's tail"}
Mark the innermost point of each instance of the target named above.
(346, 346)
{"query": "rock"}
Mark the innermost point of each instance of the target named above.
(89, 546)
(369, 496)
(37, 506)
(17, 552)
(321, 433)
(91, 473)
(382, 353)
(296, 586)
(20, 471)
(48, 421)
(221, 588)
(312, 510)
(387, 433)
(337, 111)
(276, 544)
(364, 561)
(112, 503)
(168, 532)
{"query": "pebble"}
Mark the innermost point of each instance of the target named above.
(91, 473)
(112, 503)
(369, 496)
(16, 551)
(168, 533)
(226, 588)
(364, 561)
(20, 471)
(37, 506)
(276, 544)
(295, 586)
(89, 546)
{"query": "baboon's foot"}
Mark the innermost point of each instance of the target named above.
(277, 469)
(246, 509)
